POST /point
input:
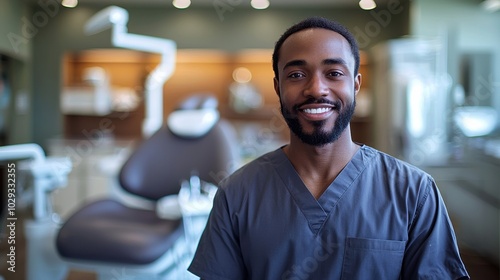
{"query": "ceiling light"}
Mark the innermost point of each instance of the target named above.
(367, 4)
(259, 4)
(181, 4)
(69, 3)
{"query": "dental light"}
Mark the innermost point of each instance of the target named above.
(116, 18)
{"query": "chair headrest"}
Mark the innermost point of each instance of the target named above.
(194, 117)
(198, 101)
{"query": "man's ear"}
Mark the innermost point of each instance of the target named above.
(276, 86)
(357, 83)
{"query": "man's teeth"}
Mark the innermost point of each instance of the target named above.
(317, 110)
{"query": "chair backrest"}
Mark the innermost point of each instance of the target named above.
(159, 164)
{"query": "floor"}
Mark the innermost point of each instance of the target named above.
(479, 268)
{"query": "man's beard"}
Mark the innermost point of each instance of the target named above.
(319, 137)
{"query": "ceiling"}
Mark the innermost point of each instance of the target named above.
(276, 3)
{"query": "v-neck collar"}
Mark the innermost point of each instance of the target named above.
(317, 211)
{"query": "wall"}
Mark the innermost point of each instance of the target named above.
(192, 28)
(16, 43)
(15, 39)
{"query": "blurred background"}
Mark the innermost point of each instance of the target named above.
(430, 93)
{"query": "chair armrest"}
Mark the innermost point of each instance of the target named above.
(168, 207)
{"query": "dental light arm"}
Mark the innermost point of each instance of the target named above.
(48, 173)
(105, 19)
(116, 18)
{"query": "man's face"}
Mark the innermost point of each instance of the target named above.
(316, 85)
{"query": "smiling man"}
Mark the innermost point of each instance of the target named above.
(323, 206)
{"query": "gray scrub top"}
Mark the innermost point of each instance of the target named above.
(380, 218)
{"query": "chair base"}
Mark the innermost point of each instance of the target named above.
(44, 262)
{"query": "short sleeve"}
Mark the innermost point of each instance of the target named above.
(432, 251)
(218, 255)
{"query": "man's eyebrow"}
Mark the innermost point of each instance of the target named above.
(328, 61)
(333, 61)
(297, 62)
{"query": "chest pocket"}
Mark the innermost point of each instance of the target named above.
(372, 259)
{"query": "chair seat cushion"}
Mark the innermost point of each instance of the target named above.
(108, 231)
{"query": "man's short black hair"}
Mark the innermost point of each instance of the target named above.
(317, 22)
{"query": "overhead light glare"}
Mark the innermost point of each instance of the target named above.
(367, 4)
(260, 4)
(181, 4)
(69, 3)
(491, 5)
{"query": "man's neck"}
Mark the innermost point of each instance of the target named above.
(319, 166)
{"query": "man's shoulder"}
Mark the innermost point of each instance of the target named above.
(389, 162)
(253, 170)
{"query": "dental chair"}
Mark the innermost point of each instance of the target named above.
(124, 236)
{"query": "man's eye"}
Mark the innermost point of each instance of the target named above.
(296, 75)
(335, 74)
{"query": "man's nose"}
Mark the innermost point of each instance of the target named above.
(316, 87)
